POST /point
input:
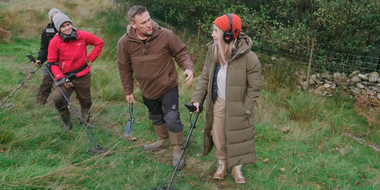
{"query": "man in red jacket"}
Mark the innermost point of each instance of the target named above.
(147, 51)
(68, 59)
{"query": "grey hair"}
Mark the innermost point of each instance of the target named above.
(136, 10)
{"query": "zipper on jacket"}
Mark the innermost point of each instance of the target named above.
(225, 108)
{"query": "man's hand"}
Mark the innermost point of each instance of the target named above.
(130, 98)
(37, 63)
(189, 79)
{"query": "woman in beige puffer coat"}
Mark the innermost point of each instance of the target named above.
(231, 78)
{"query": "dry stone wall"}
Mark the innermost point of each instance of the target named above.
(327, 84)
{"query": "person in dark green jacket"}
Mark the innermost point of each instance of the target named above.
(231, 78)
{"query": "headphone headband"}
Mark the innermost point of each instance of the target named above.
(230, 19)
(228, 36)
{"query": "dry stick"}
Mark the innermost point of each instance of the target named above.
(309, 68)
(22, 83)
(363, 142)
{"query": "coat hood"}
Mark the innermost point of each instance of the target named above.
(243, 45)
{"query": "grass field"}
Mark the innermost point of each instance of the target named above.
(302, 141)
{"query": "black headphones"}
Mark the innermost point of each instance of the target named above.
(228, 36)
(67, 38)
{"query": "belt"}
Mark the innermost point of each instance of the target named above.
(77, 70)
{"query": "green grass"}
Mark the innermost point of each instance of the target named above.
(314, 153)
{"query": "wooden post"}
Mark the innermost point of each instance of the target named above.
(310, 60)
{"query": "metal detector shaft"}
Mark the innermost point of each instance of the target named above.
(22, 83)
(187, 140)
(72, 108)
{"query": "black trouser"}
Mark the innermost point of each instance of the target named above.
(45, 87)
(169, 115)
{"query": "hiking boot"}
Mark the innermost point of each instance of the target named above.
(162, 139)
(238, 175)
(221, 171)
(177, 142)
(65, 115)
(39, 102)
(68, 126)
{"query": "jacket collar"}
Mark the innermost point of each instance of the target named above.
(132, 35)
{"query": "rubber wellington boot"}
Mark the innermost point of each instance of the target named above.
(65, 114)
(85, 111)
(162, 138)
(177, 142)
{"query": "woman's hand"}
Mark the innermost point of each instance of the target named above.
(196, 104)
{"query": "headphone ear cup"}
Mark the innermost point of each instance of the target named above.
(228, 36)
(73, 35)
(64, 37)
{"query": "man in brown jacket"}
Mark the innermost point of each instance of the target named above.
(147, 51)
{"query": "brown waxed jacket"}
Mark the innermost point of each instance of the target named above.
(242, 90)
(152, 63)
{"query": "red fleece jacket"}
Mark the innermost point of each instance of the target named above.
(72, 55)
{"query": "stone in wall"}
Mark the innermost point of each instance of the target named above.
(327, 84)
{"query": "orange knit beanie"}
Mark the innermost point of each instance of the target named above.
(223, 23)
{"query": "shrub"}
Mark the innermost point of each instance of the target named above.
(368, 107)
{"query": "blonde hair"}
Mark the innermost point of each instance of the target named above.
(222, 50)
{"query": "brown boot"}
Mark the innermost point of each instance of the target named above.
(86, 116)
(38, 102)
(238, 175)
(177, 142)
(221, 171)
(162, 138)
(65, 115)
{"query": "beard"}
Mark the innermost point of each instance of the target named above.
(147, 33)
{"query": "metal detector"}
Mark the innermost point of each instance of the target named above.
(130, 121)
(31, 58)
(191, 109)
(129, 125)
(93, 150)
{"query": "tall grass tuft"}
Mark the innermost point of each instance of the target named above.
(6, 136)
(304, 107)
(275, 76)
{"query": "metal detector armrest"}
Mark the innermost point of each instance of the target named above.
(192, 108)
(31, 58)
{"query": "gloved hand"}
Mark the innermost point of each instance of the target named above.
(66, 80)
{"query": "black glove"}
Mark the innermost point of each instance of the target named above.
(71, 77)
(67, 79)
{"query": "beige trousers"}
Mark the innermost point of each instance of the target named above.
(218, 130)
